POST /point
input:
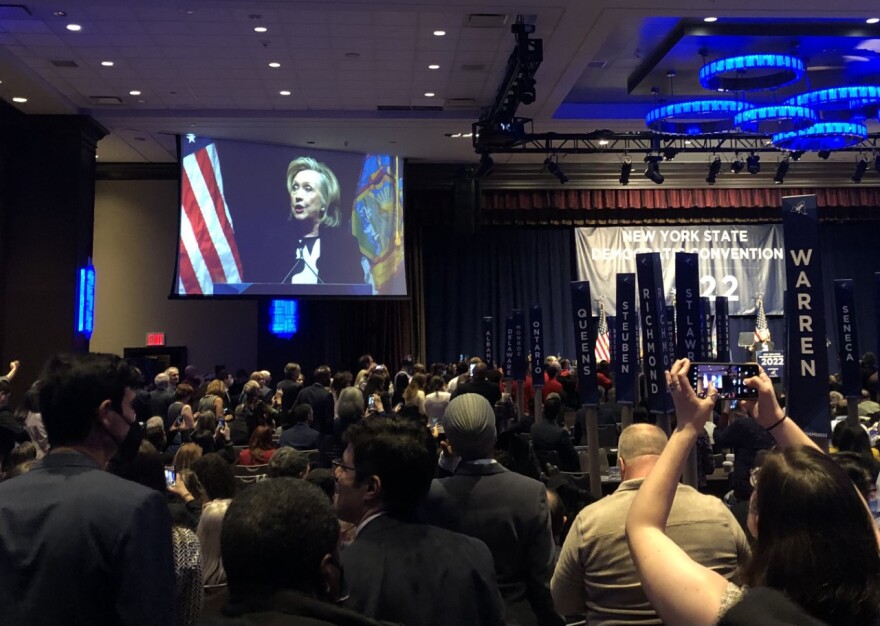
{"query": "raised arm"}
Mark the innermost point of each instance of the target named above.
(773, 418)
(681, 590)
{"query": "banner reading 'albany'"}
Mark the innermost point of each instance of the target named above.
(736, 261)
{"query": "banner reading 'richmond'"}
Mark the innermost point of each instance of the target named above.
(736, 261)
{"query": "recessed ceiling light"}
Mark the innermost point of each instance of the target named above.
(467, 135)
(107, 63)
(872, 20)
(274, 64)
(433, 66)
(710, 19)
(284, 92)
(429, 94)
(687, 141)
(439, 33)
(455, 135)
(260, 29)
(19, 100)
(74, 27)
(603, 142)
(134, 92)
(59, 13)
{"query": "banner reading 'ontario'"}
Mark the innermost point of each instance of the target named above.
(735, 261)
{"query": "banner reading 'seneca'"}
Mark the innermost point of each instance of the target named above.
(735, 261)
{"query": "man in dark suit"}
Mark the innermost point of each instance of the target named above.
(162, 396)
(79, 545)
(398, 570)
(289, 386)
(549, 435)
(318, 396)
(480, 384)
(301, 435)
(506, 510)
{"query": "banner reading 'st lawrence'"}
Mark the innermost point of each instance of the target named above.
(736, 261)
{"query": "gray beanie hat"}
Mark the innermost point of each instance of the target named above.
(469, 423)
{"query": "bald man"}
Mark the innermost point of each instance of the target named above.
(595, 575)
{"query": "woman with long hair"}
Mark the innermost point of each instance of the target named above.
(260, 449)
(815, 538)
(436, 400)
(208, 532)
(414, 394)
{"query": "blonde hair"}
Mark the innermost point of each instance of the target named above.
(328, 187)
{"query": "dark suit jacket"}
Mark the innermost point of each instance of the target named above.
(300, 436)
(321, 402)
(547, 436)
(160, 400)
(81, 546)
(421, 576)
(509, 513)
(489, 390)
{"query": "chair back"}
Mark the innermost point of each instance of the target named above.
(249, 470)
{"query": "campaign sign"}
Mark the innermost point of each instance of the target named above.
(488, 351)
(625, 362)
(847, 337)
(536, 344)
(652, 312)
(773, 362)
(722, 330)
(519, 344)
(508, 347)
(585, 343)
(807, 371)
(687, 302)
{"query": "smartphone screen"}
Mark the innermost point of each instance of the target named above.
(471, 368)
(170, 475)
(727, 378)
(371, 402)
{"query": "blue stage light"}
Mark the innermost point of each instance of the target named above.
(775, 119)
(822, 136)
(283, 318)
(852, 97)
(752, 72)
(695, 117)
(85, 300)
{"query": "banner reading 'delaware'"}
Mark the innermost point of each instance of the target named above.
(736, 261)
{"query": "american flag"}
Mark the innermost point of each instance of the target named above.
(603, 349)
(207, 252)
(762, 331)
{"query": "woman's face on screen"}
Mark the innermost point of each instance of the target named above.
(306, 203)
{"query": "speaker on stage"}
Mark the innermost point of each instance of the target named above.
(466, 203)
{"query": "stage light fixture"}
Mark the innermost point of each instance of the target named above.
(824, 154)
(714, 170)
(625, 171)
(861, 168)
(796, 155)
(737, 165)
(526, 90)
(669, 154)
(781, 171)
(553, 167)
(485, 167)
(753, 163)
(652, 169)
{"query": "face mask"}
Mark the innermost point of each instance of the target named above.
(128, 447)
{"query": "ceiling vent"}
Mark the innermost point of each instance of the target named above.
(486, 20)
(64, 63)
(105, 100)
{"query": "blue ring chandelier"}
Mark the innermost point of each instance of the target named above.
(822, 136)
(752, 72)
(695, 117)
(776, 118)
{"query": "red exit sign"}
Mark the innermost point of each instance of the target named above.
(155, 339)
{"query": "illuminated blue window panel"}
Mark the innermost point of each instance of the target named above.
(85, 301)
(777, 118)
(851, 97)
(695, 117)
(752, 72)
(822, 136)
(284, 318)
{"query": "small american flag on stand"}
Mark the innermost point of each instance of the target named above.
(762, 331)
(603, 349)
(207, 252)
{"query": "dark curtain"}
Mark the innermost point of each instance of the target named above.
(492, 273)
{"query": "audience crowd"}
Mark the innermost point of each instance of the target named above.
(424, 497)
